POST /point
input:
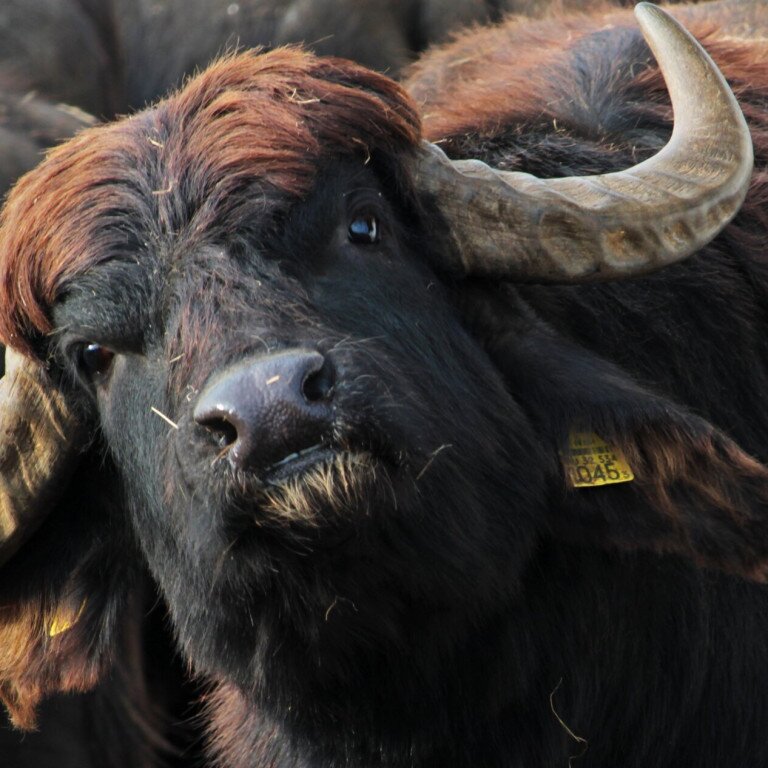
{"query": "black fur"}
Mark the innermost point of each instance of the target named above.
(455, 603)
(108, 57)
(111, 56)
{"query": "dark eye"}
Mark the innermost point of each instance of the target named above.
(95, 360)
(364, 230)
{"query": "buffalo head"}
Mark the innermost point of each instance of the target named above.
(258, 296)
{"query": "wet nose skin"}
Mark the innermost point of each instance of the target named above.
(269, 407)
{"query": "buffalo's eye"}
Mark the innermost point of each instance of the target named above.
(95, 360)
(364, 230)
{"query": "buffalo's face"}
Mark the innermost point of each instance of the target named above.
(312, 447)
(328, 478)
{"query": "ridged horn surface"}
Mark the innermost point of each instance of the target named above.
(39, 441)
(584, 228)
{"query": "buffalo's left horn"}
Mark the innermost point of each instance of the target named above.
(581, 228)
(39, 441)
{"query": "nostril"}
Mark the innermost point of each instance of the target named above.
(318, 385)
(222, 431)
(261, 410)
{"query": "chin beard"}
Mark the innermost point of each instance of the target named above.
(337, 488)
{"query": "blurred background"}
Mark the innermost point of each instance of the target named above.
(66, 63)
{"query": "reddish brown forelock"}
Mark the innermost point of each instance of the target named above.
(275, 116)
(249, 122)
(60, 220)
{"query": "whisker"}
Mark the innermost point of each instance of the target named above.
(163, 417)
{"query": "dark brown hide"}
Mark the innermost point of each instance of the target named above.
(305, 110)
(465, 611)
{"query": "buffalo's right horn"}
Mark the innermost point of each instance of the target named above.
(515, 226)
(39, 441)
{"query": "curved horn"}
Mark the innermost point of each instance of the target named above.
(39, 440)
(586, 228)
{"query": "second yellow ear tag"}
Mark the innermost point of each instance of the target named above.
(64, 619)
(591, 462)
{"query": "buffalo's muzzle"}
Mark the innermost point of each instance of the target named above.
(263, 410)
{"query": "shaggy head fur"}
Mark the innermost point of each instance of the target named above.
(415, 591)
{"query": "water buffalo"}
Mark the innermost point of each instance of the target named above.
(110, 56)
(434, 462)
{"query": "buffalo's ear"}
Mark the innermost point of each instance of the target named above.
(695, 492)
(671, 482)
(63, 596)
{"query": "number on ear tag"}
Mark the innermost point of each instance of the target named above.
(590, 462)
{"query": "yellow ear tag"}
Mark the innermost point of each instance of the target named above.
(591, 462)
(65, 619)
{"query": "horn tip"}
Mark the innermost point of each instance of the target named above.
(644, 8)
(647, 13)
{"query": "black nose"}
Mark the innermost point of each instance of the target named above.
(268, 408)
